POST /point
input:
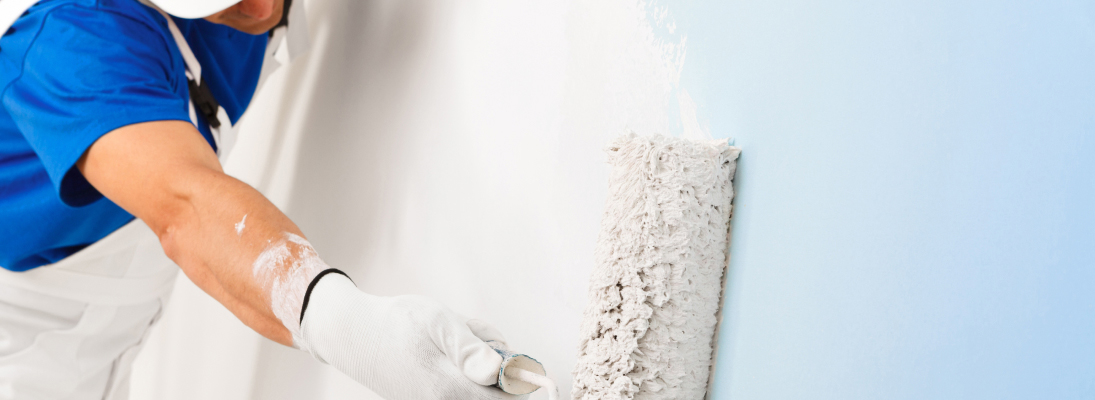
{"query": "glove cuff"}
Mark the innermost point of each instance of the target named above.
(312, 285)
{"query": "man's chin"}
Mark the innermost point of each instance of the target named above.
(247, 25)
(257, 30)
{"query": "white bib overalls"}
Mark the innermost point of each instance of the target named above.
(70, 330)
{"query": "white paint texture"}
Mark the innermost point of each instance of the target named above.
(240, 226)
(654, 294)
(284, 270)
(446, 148)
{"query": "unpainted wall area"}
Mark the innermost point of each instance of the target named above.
(914, 217)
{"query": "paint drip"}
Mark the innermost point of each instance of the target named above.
(649, 327)
(284, 270)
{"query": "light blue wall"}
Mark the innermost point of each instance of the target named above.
(916, 210)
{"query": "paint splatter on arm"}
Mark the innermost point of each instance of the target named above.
(241, 225)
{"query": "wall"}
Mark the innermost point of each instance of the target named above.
(913, 217)
(446, 148)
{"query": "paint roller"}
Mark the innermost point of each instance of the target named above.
(648, 329)
(662, 252)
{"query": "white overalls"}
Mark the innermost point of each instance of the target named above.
(70, 330)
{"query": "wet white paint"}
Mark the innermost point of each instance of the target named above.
(448, 149)
(284, 270)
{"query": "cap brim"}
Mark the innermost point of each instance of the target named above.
(191, 9)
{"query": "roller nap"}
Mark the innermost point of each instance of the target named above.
(655, 291)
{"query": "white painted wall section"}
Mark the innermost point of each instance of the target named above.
(447, 148)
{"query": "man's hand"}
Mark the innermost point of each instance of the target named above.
(403, 348)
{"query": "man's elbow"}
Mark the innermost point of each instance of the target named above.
(169, 221)
(176, 213)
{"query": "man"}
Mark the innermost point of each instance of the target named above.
(113, 114)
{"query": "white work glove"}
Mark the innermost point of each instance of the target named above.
(402, 348)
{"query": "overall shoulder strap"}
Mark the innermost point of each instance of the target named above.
(201, 98)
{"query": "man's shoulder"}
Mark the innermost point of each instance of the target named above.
(120, 7)
(101, 13)
(80, 44)
(64, 33)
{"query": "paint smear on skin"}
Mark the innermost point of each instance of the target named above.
(240, 225)
(284, 270)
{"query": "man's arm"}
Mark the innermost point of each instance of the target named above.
(166, 174)
(404, 347)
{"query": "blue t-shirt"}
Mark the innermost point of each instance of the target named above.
(74, 70)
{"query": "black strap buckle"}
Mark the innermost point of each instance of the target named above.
(204, 102)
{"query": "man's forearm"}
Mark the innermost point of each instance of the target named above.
(212, 225)
(224, 228)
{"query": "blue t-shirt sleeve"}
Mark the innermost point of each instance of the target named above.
(89, 72)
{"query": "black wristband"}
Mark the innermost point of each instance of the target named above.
(308, 294)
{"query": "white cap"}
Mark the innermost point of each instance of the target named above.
(191, 9)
